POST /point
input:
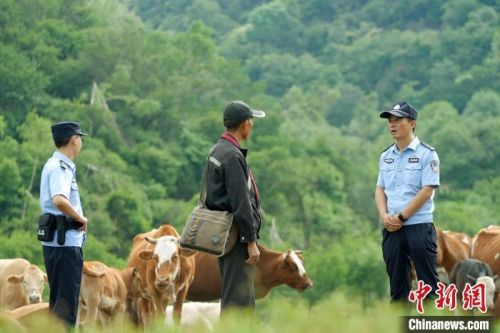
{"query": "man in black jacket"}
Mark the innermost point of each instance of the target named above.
(231, 187)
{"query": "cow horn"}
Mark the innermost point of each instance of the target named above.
(151, 240)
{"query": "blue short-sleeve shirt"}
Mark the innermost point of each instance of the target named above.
(403, 174)
(59, 178)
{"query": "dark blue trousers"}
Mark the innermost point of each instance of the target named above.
(412, 242)
(237, 279)
(64, 267)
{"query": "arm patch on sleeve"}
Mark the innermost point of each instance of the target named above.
(435, 166)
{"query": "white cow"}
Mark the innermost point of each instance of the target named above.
(196, 314)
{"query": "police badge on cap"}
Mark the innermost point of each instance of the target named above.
(65, 129)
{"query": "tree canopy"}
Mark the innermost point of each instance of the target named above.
(149, 79)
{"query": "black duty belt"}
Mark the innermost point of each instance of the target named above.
(48, 223)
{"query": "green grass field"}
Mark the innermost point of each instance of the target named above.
(338, 313)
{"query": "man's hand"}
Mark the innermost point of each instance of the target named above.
(391, 223)
(83, 221)
(253, 253)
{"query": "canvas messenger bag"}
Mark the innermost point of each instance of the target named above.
(209, 231)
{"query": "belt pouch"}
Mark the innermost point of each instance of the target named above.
(61, 231)
(46, 228)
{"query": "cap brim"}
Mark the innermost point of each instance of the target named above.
(395, 113)
(258, 113)
(83, 134)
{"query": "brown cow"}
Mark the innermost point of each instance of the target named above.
(167, 270)
(452, 247)
(136, 291)
(102, 294)
(21, 283)
(107, 292)
(273, 269)
(486, 247)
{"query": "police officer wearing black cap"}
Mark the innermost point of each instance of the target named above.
(63, 240)
(408, 176)
(231, 187)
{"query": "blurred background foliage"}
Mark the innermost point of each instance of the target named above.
(148, 80)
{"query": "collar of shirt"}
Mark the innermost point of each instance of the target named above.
(413, 146)
(227, 136)
(65, 159)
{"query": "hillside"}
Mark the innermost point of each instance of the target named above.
(163, 71)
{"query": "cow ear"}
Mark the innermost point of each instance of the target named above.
(146, 255)
(186, 252)
(15, 278)
(45, 278)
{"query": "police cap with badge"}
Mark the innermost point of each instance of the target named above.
(66, 129)
(401, 110)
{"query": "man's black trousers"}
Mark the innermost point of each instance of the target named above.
(64, 267)
(417, 243)
(237, 279)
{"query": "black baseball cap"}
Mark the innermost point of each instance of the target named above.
(65, 129)
(237, 112)
(401, 110)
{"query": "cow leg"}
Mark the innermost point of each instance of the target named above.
(144, 311)
(82, 312)
(395, 253)
(179, 301)
(92, 311)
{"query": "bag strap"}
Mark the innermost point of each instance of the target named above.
(204, 181)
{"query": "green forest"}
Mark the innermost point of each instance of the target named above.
(148, 80)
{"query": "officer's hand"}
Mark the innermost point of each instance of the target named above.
(253, 253)
(391, 223)
(83, 221)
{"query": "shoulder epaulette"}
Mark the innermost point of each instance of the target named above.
(392, 144)
(427, 146)
(63, 164)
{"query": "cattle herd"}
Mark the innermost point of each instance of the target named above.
(160, 276)
(461, 259)
(158, 273)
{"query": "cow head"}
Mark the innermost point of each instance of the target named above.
(32, 280)
(165, 261)
(136, 288)
(292, 272)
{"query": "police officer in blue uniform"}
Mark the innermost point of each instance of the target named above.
(60, 202)
(408, 176)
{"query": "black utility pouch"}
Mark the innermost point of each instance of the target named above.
(61, 229)
(46, 228)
